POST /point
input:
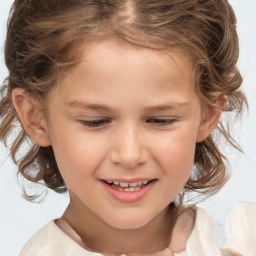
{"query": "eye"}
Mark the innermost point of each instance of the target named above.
(161, 121)
(95, 123)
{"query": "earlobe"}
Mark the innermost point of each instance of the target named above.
(31, 118)
(211, 118)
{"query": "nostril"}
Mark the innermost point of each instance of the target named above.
(129, 156)
(129, 166)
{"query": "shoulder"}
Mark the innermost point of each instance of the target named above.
(240, 233)
(241, 228)
(51, 241)
(202, 240)
(193, 234)
(182, 229)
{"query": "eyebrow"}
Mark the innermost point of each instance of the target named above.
(174, 105)
(83, 105)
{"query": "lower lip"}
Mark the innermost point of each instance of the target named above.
(128, 196)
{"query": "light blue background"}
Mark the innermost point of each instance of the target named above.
(19, 219)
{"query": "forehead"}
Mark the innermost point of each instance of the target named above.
(113, 56)
(125, 77)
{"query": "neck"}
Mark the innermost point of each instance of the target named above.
(100, 236)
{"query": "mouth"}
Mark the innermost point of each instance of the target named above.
(128, 186)
(128, 191)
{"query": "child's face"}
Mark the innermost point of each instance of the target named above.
(128, 115)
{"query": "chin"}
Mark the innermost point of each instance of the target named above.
(129, 223)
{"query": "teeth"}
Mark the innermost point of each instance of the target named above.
(124, 184)
(130, 189)
(128, 186)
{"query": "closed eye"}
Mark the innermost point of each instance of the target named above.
(95, 123)
(103, 122)
(161, 121)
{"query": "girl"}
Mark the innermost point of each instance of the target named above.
(120, 100)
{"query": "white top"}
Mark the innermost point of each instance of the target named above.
(240, 233)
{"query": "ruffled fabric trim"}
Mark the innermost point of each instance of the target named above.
(240, 233)
(240, 230)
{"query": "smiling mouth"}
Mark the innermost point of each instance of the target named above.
(128, 187)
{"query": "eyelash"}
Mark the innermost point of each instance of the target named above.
(161, 122)
(95, 123)
(103, 122)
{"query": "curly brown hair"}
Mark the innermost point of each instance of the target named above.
(44, 38)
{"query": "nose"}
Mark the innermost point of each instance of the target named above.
(128, 148)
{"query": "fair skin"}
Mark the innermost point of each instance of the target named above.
(123, 114)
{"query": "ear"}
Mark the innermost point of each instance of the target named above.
(211, 118)
(33, 121)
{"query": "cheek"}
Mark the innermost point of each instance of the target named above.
(177, 152)
(179, 159)
(75, 154)
(77, 166)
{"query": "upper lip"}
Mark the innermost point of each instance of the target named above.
(128, 183)
(129, 180)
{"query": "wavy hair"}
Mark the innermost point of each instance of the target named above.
(44, 39)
